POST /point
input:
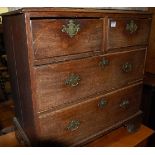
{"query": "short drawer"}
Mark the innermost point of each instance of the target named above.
(125, 32)
(60, 37)
(73, 124)
(64, 83)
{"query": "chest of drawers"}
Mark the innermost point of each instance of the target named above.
(76, 73)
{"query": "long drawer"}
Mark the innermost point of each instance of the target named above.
(75, 123)
(60, 37)
(63, 83)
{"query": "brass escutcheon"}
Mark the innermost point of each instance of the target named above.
(71, 29)
(72, 80)
(102, 103)
(127, 67)
(124, 104)
(104, 62)
(131, 27)
(73, 125)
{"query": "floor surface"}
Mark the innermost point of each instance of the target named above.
(6, 116)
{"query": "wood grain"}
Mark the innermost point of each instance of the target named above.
(119, 37)
(48, 33)
(41, 58)
(16, 47)
(90, 115)
(51, 90)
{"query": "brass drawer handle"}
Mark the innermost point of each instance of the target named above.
(71, 29)
(72, 80)
(131, 27)
(73, 125)
(104, 62)
(127, 67)
(102, 103)
(124, 104)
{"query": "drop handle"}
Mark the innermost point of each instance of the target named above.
(124, 104)
(127, 67)
(102, 103)
(73, 125)
(72, 80)
(104, 62)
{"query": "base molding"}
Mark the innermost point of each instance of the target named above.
(132, 124)
(135, 121)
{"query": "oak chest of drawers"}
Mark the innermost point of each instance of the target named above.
(76, 73)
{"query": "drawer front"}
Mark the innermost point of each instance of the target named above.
(59, 37)
(73, 124)
(67, 82)
(127, 32)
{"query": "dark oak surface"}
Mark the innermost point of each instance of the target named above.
(79, 10)
(93, 78)
(48, 33)
(149, 79)
(91, 116)
(16, 46)
(119, 36)
(40, 67)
